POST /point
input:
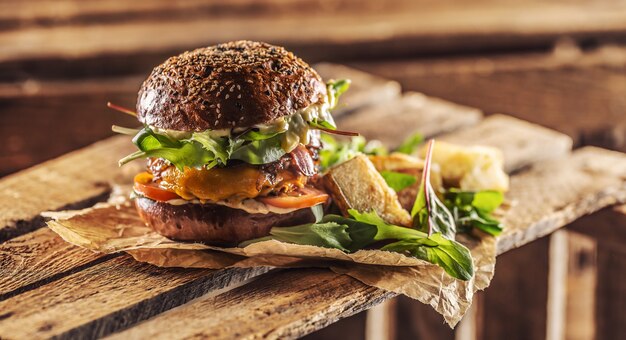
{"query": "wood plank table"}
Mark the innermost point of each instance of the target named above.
(51, 289)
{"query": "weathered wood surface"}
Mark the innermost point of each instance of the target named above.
(39, 257)
(323, 28)
(391, 122)
(522, 143)
(73, 180)
(570, 89)
(588, 181)
(583, 178)
(312, 299)
(106, 297)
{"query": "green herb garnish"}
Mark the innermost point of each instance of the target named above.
(410, 145)
(336, 152)
(474, 209)
(364, 229)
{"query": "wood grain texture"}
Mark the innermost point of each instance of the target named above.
(522, 143)
(67, 180)
(582, 276)
(108, 297)
(583, 178)
(391, 122)
(422, 26)
(573, 90)
(611, 292)
(266, 308)
(39, 257)
(555, 193)
(515, 302)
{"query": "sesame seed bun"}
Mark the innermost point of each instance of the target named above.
(213, 224)
(236, 84)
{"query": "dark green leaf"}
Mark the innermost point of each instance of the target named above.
(362, 234)
(410, 145)
(473, 209)
(397, 180)
(452, 256)
(386, 231)
(327, 235)
(260, 151)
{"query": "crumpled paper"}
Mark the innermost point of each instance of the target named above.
(115, 226)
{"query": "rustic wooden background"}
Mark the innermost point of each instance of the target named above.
(559, 63)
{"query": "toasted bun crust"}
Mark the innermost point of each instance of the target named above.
(236, 84)
(213, 224)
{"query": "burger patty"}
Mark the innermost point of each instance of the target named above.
(239, 180)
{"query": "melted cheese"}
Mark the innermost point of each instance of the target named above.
(235, 182)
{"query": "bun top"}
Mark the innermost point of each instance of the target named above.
(236, 84)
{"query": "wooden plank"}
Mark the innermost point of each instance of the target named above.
(515, 302)
(69, 182)
(611, 292)
(365, 89)
(588, 181)
(522, 143)
(581, 286)
(39, 257)
(578, 92)
(415, 25)
(270, 309)
(108, 297)
(414, 112)
(547, 197)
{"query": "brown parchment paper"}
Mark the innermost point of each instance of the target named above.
(115, 226)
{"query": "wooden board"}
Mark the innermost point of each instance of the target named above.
(572, 177)
(522, 143)
(349, 29)
(412, 113)
(107, 297)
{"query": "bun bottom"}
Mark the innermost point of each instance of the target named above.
(212, 223)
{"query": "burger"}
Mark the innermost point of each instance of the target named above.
(231, 134)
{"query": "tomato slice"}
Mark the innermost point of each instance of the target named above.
(302, 198)
(144, 185)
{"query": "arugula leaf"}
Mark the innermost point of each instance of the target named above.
(410, 144)
(428, 212)
(260, 151)
(452, 256)
(361, 234)
(336, 152)
(473, 209)
(364, 229)
(397, 180)
(327, 235)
